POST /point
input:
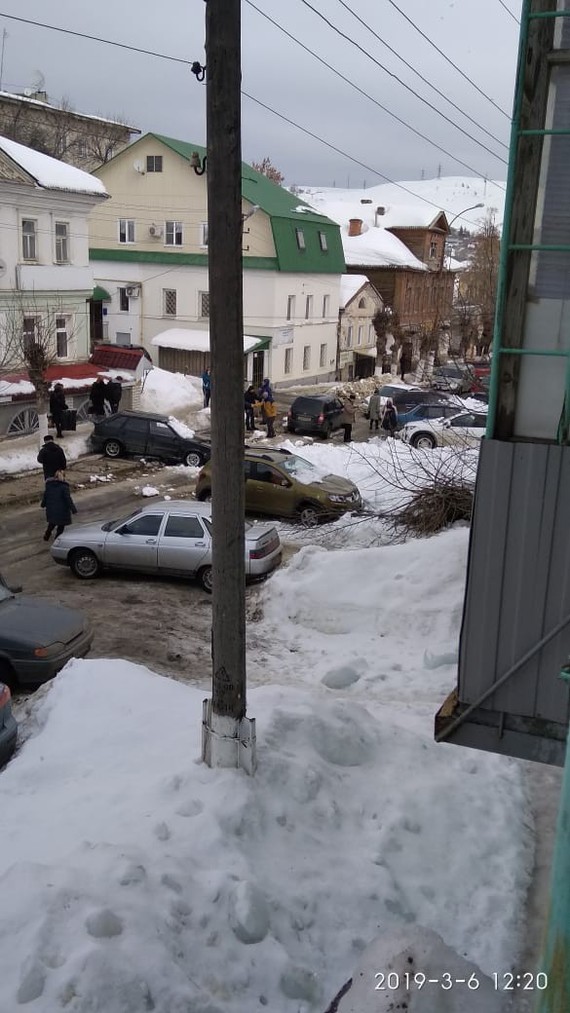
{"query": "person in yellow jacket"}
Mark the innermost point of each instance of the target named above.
(269, 413)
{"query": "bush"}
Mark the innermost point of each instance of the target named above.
(434, 507)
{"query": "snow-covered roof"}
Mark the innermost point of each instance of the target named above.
(28, 100)
(376, 247)
(350, 284)
(193, 341)
(50, 173)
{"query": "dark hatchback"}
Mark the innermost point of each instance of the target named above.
(149, 435)
(319, 414)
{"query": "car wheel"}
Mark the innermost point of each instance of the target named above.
(205, 578)
(112, 448)
(193, 459)
(310, 515)
(423, 441)
(204, 496)
(84, 564)
(327, 431)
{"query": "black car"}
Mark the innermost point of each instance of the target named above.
(319, 414)
(406, 398)
(149, 435)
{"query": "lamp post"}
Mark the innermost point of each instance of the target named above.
(464, 212)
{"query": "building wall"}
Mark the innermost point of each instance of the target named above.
(426, 244)
(357, 333)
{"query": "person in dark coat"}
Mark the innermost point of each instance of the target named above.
(114, 392)
(57, 407)
(206, 386)
(250, 400)
(58, 504)
(51, 457)
(265, 392)
(389, 418)
(98, 396)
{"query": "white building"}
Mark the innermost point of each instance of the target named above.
(359, 304)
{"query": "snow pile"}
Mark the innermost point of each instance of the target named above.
(134, 878)
(181, 428)
(150, 490)
(168, 393)
(21, 454)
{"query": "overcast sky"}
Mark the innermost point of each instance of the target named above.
(154, 94)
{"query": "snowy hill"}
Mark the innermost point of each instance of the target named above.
(450, 194)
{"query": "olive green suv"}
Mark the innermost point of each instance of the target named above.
(283, 485)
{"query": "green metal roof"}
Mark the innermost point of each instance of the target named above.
(101, 294)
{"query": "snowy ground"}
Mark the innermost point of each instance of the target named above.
(21, 454)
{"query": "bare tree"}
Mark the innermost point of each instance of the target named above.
(478, 283)
(266, 168)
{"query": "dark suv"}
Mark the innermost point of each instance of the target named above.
(149, 435)
(319, 414)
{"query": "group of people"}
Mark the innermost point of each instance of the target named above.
(386, 417)
(56, 499)
(102, 392)
(262, 397)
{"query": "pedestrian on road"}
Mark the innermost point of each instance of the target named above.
(58, 504)
(98, 395)
(374, 409)
(57, 407)
(113, 393)
(250, 400)
(269, 413)
(51, 457)
(348, 416)
(207, 387)
(389, 418)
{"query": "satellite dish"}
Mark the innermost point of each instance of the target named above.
(3, 268)
(138, 167)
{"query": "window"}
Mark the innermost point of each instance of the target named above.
(362, 304)
(61, 337)
(308, 307)
(29, 239)
(123, 300)
(29, 328)
(160, 429)
(300, 237)
(323, 355)
(326, 305)
(349, 336)
(359, 334)
(62, 242)
(290, 307)
(288, 360)
(462, 421)
(307, 357)
(183, 527)
(204, 304)
(123, 338)
(169, 302)
(154, 163)
(126, 230)
(148, 524)
(173, 234)
(432, 249)
(81, 148)
(264, 473)
(203, 234)
(323, 241)
(371, 335)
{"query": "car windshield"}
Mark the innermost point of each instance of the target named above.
(112, 525)
(180, 428)
(308, 404)
(301, 470)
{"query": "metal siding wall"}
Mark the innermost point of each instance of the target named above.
(518, 585)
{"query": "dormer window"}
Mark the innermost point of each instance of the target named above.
(432, 249)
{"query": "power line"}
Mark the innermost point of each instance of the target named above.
(509, 11)
(421, 77)
(447, 58)
(384, 108)
(404, 85)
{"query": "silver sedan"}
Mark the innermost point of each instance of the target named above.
(172, 538)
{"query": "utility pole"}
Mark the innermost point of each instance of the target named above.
(228, 736)
(4, 37)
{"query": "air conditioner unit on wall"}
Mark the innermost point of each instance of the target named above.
(155, 230)
(133, 291)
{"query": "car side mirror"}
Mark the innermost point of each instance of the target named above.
(122, 531)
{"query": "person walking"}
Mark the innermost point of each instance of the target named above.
(374, 409)
(57, 407)
(58, 504)
(250, 400)
(348, 417)
(389, 418)
(114, 393)
(98, 396)
(51, 457)
(207, 387)
(269, 412)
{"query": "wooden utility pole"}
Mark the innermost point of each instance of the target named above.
(228, 737)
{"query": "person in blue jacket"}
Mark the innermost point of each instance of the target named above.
(207, 386)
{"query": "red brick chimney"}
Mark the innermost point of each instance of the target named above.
(355, 226)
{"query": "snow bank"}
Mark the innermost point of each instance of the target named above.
(169, 393)
(21, 453)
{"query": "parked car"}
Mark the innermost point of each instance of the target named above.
(454, 377)
(283, 485)
(463, 430)
(8, 726)
(160, 436)
(320, 414)
(405, 398)
(171, 539)
(37, 638)
(438, 410)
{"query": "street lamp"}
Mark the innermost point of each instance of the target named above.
(465, 210)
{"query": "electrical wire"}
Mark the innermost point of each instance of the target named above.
(408, 87)
(447, 58)
(509, 12)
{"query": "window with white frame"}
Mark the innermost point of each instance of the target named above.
(204, 304)
(203, 233)
(123, 300)
(323, 241)
(371, 334)
(169, 302)
(29, 240)
(61, 337)
(62, 242)
(126, 230)
(288, 364)
(349, 336)
(307, 357)
(308, 307)
(29, 333)
(359, 334)
(173, 236)
(300, 237)
(323, 355)
(154, 163)
(290, 307)
(326, 305)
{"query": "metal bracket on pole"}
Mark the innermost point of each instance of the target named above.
(228, 741)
